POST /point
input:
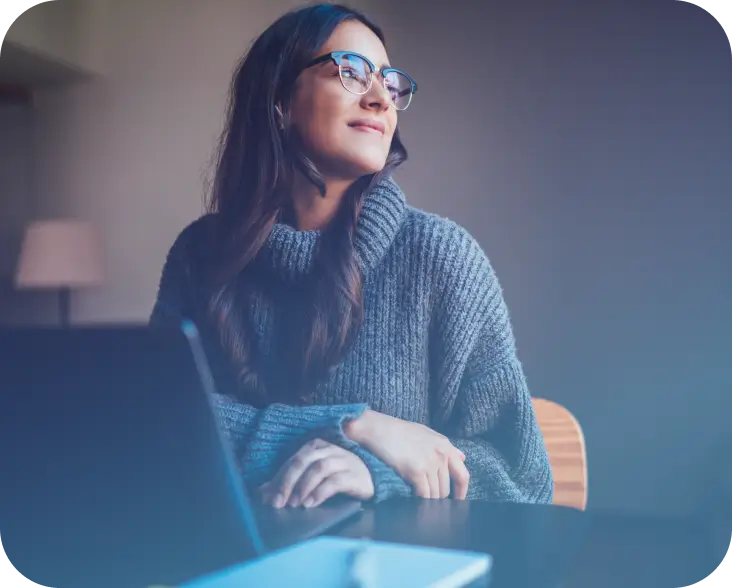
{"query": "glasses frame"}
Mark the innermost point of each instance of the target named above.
(337, 56)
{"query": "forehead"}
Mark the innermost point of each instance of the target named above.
(357, 37)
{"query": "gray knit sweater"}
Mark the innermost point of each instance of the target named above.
(436, 347)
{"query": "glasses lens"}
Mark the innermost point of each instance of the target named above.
(400, 89)
(355, 74)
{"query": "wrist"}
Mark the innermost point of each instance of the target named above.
(355, 429)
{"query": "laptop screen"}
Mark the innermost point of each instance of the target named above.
(110, 454)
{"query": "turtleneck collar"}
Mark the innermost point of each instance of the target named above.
(290, 253)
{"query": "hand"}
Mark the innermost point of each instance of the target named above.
(318, 471)
(424, 458)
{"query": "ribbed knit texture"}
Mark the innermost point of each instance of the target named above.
(436, 347)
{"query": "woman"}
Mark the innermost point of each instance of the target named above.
(362, 347)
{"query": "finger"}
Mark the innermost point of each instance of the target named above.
(274, 483)
(434, 483)
(267, 495)
(293, 471)
(447, 448)
(295, 467)
(307, 448)
(421, 486)
(460, 478)
(443, 475)
(314, 475)
(329, 487)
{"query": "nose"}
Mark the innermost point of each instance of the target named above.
(377, 97)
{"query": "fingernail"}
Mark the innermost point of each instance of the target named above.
(308, 502)
(279, 501)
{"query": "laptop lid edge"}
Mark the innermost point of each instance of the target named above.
(190, 331)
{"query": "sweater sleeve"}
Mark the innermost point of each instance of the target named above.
(261, 438)
(484, 404)
(495, 426)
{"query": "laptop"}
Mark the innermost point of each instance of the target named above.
(114, 471)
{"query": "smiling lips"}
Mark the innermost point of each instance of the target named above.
(367, 125)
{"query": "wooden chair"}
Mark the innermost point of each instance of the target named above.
(565, 444)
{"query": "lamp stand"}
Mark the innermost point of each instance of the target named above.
(64, 307)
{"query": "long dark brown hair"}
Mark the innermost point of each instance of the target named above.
(255, 166)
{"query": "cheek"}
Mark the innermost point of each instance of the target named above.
(325, 130)
(320, 120)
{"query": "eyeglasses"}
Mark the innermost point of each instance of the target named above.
(357, 74)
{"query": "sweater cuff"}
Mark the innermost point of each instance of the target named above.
(282, 430)
(387, 483)
(264, 438)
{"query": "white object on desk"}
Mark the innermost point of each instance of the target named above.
(331, 562)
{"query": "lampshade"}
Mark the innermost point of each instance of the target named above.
(60, 254)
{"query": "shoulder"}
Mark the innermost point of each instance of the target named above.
(451, 252)
(468, 297)
(195, 234)
(435, 231)
(177, 288)
(190, 252)
(192, 242)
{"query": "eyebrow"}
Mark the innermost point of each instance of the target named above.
(382, 66)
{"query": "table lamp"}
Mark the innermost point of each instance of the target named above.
(62, 255)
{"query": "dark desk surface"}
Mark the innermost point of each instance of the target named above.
(532, 546)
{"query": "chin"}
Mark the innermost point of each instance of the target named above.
(351, 165)
(370, 170)
(366, 166)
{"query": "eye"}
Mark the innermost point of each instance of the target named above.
(349, 72)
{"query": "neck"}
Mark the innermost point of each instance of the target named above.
(310, 210)
(291, 254)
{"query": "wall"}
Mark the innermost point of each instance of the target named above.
(130, 151)
(15, 193)
(16, 161)
(585, 148)
(16, 210)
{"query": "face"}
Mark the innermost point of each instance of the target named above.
(330, 119)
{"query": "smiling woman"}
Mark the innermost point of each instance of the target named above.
(337, 127)
(362, 346)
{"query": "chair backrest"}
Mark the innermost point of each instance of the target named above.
(565, 444)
